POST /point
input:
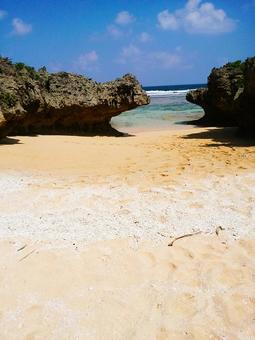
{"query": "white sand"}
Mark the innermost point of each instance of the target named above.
(58, 209)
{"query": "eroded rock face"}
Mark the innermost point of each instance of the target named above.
(246, 101)
(229, 99)
(34, 102)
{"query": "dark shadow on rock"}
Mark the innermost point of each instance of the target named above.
(222, 137)
(9, 141)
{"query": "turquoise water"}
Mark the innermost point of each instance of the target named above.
(168, 109)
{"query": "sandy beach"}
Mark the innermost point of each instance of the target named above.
(86, 224)
(127, 170)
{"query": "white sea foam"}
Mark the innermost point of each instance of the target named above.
(161, 93)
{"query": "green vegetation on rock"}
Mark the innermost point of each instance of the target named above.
(7, 99)
(234, 64)
(21, 67)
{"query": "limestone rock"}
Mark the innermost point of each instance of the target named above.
(246, 100)
(229, 99)
(34, 102)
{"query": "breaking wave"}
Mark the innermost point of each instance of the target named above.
(162, 93)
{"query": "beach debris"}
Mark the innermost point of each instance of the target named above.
(218, 229)
(183, 236)
(159, 233)
(24, 257)
(21, 248)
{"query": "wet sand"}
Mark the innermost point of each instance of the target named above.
(85, 227)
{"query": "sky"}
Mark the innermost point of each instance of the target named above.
(161, 42)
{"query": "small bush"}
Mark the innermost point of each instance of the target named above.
(238, 64)
(30, 70)
(6, 60)
(42, 69)
(20, 66)
(7, 99)
(235, 64)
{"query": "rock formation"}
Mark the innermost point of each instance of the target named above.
(33, 102)
(229, 99)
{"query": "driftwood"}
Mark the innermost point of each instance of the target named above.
(217, 232)
(22, 247)
(182, 236)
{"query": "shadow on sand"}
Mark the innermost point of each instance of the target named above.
(9, 141)
(108, 133)
(227, 136)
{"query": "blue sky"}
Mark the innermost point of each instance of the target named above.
(161, 42)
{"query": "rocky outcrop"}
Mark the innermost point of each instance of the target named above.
(246, 100)
(33, 102)
(229, 99)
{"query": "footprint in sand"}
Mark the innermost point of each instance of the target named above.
(149, 259)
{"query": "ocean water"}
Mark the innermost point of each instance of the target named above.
(168, 109)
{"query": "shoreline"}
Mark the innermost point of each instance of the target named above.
(174, 126)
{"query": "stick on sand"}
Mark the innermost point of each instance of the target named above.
(179, 237)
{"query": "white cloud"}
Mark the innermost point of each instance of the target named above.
(132, 54)
(168, 21)
(20, 27)
(2, 14)
(144, 37)
(124, 18)
(197, 17)
(129, 53)
(114, 31)
(86, 61)
(166, 60)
